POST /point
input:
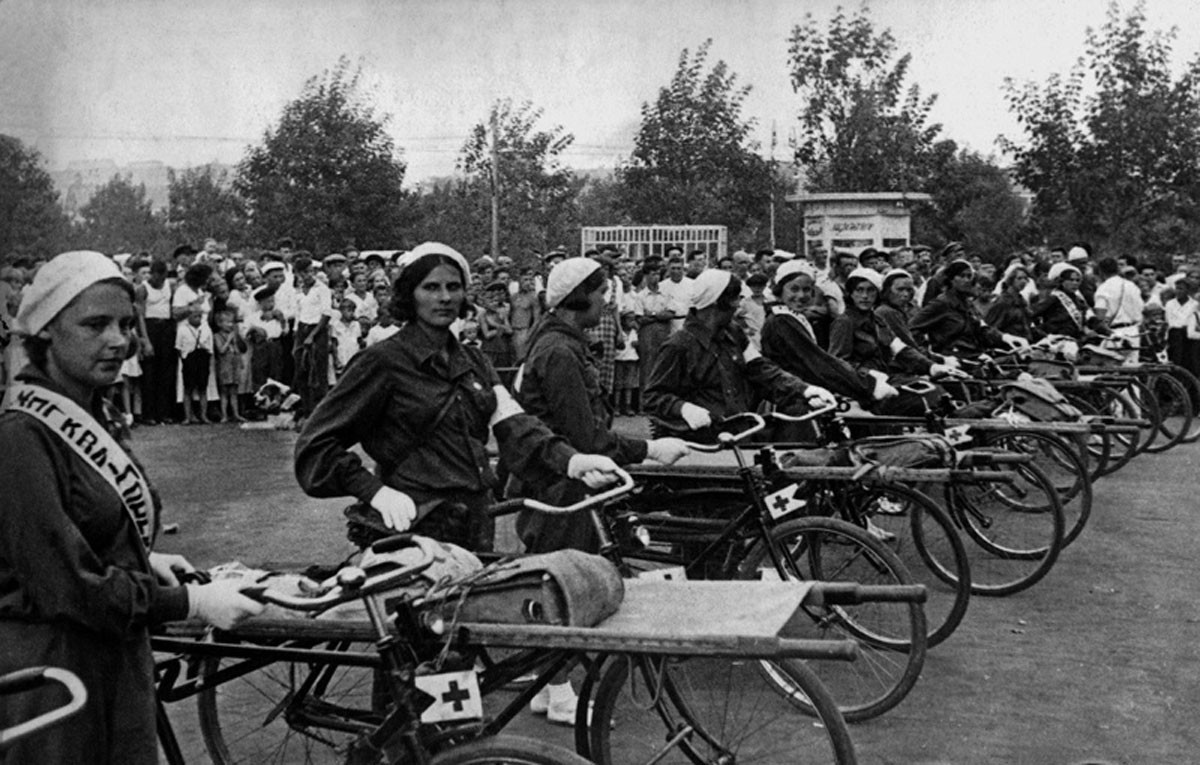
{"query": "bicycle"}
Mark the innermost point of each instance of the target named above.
(327, 699)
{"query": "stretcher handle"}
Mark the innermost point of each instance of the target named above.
(851, 594)
(828, 408)
(725, 439)
(24, 680)
(352, 581)
(511, 506)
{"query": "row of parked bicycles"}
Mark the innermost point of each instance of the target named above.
(782, 588)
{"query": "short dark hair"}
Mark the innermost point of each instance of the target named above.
(404, 305)
(158, 267)
(197, 275)
(1107, 266)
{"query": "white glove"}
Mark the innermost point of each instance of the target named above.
(944, 370)
(221, 603)
(819, 397)
(952, 362)
(595, 470)
(1015, 341)
(167, 567)
(696, 417)
(396, 507)
(666, 450)
(884, 389)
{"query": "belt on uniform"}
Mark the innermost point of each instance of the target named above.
(1123, 325)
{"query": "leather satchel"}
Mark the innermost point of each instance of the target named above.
(567, 588)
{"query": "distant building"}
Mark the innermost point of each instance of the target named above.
(855, 221)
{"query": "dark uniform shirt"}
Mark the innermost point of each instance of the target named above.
(697, 367)
(1010, 314)
(786, 342)
(420, 409)
(76, 591)
(865, 342)
(952, 325)
(1053, 318)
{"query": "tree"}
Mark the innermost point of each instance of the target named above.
(536, 192)
(328, 173)
(119, 218)
(973, 203)
(1112, 149)
(203, 205)
(693, 161)
(860, 128)
(31, 220)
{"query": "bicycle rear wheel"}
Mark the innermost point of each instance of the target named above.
(1017, 529)
(924, 538)
(710, 710)
(1192, 386)
(1175, 411)
(1062, 465)
(507, 750)
(288, 712)
(1110, 451)
(892, 637)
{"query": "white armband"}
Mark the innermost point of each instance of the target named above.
(897, 345)
(751, 353)
(506, 406)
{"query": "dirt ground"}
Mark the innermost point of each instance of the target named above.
(1100, 662)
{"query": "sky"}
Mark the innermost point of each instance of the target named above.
(189, 82)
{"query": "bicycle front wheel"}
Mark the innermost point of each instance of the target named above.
(289, 712)
(892, 637)
(1175, 411)
(1017, 528)
(507, 750)
(678, 710)
(922, 535)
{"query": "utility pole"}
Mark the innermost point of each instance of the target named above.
(495, 252)
(772, 187)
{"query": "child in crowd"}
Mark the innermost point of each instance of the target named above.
(495, 331)
(346, 333)
(130, 385)
(228, 345)
(384, 328)
(626, 386)
(265, 334)
(526, 309)
(194, 342)
(469, 334)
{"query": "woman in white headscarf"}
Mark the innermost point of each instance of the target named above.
(79, 587)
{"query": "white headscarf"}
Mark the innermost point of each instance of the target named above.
(1058, 269)
(566, 276)
(868, 274)
(58, 283)
(436, 248)
(708, 286)
(795, 266)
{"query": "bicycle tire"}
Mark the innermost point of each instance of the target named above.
(1175, 411)
(1111, 451)
(708, 710)
(892, 637)
(1016, 541)
(507, 750)
(926, 541)
(1062, 465)
(244, 720)
(1142, 401)
(1192, 385)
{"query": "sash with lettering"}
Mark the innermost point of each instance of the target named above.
(87, 438)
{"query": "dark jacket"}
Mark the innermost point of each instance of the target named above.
(864, 341)
(421, 411)
(1009, 313)
(559, 384)
(76, 591)
(786, 342)
(1053, 318)
(709, 370)
(952, 326)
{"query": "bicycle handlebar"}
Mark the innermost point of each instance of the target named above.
(513, 505)
(26, 680)
(352, 581)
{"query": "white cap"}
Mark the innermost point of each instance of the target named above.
(566, 276)
(1058, 269)
(793, 267)
(436, 248)
(1077, 253)
(269, 266)
(868, 274)
(708, 286)
(58, 283)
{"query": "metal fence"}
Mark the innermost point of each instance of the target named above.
(640, 241)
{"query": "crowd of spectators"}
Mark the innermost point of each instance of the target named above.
(215, 325)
